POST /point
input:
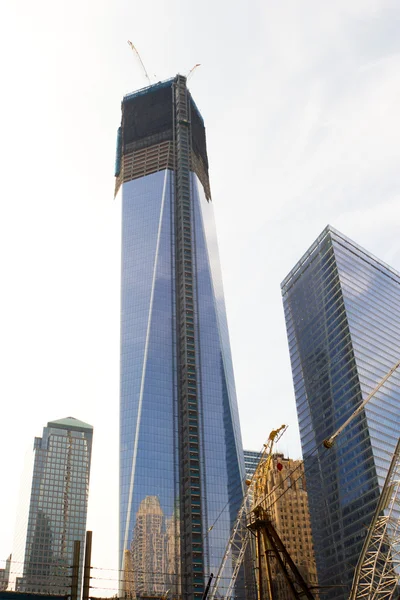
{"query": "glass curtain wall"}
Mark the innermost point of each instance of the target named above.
(342, 309)
(58, 506)
(150, 520)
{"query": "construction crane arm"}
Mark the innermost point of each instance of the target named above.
(135, 51)
(377, 572)
(328, 443)
(240, 534)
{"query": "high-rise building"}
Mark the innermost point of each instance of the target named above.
(180, 439)
(251, 460)
(342, 310)
(58, 506)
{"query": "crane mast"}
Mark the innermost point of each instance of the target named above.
(253, 521)
(240, 535)
(377, 574)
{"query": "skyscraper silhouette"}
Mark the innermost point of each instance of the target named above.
(180, 439)
(342, 310)
(58, 506)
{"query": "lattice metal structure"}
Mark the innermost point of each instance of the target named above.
(241, 535)
(235, 550)
(377, 574)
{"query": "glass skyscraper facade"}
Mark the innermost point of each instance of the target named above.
(251, 460)
(342, 310)
(57, 507)
(181, 457)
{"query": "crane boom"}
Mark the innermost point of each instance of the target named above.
(240, 535)
(191, 71)
(328, 443)
(135, 51)
(377, 572)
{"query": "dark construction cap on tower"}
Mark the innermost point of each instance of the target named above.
(145, 139)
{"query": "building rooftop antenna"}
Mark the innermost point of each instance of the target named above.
(141, 62)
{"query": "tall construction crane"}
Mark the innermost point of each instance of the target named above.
(254, 520)
(135, 51)
(377, 574)
(192, 70)
(328, 443)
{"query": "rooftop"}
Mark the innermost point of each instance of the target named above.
(343, 240)
(70, 423)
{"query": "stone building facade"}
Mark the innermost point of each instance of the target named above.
(281, 486)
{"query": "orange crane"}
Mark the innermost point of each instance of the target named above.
(191, 71)
(135, 51)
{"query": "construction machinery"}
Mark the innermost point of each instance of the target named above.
(136, 53)
(328, 443)
(377, 574)
(254, 526)
(192, 70)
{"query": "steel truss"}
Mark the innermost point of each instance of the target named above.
(377, 574)
(240, 537)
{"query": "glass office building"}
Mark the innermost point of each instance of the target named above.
(57, 507)
(342, 310)
(251, 460)
(181, 457)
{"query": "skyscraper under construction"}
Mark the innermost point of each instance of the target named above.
(181, 458)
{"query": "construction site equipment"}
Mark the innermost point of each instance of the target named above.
(377, 574)
(207, 589)
(378, 571)
(135, 51)
(254, 520)
(192, 70)
(328, 443)
(240, 535)
(265, 532)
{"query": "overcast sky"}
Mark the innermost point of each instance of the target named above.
(301, 105)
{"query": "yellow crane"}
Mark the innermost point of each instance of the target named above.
(254, 520)
(378, 571)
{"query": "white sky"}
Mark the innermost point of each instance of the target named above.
(301, 104)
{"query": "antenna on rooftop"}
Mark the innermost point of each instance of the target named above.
(141, 62)
(192, 69)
